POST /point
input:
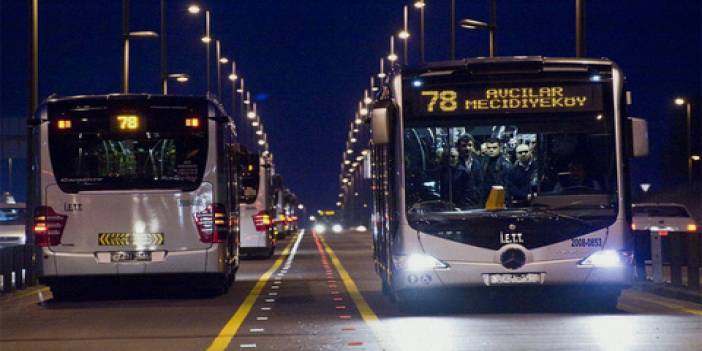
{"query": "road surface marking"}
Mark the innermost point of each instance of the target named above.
(229, 330)
(671, 305)
(362, 306)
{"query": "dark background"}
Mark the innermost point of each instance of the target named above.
(309, 61)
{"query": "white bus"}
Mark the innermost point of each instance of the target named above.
(138, 186)
(504, 172)
(257, 214)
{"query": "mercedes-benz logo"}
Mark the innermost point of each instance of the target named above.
(512, 227)
(513, 259)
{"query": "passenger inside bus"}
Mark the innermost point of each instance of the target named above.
(523, 178)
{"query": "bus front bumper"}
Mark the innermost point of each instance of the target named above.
(460, 274)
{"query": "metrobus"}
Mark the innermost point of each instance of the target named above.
(256, 207)
(504, 172)
(135, 186)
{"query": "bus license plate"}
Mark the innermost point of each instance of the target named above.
(514, 278)
(131, 256)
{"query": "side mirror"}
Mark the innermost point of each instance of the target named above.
(380, 123)
(639, 136)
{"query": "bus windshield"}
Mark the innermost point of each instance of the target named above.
(542, 162)
(97, 149)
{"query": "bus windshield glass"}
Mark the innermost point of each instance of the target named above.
(109, 149)
(543, 164)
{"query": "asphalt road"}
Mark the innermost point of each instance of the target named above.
(321, 293)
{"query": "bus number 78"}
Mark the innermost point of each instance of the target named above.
(445, 98)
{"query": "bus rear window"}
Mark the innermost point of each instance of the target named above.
(660, 211)
(125, 148)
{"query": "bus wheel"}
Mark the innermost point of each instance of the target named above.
(408, 302)
(270, 252)
(606, 300)
(217, 284)
(59, 293)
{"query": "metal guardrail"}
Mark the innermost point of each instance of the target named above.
(682, 251)
(17, 268)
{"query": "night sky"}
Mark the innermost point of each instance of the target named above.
(309, 61)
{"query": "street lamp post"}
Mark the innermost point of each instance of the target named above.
(232, 78)
(420, 4)
(688, 120)
(207, 39)
(473, 24)
(218, 54)
(126, 35)
(579, 28)
(404, 34)
(452, 15)
(164, 52)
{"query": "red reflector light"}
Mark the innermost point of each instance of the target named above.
(48, 226)
(262, 221)
(663, 232)
(64, 124)
(211, 224)
(192, 122)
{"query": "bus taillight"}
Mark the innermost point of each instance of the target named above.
(192, 122)
(48, 226)
(212, 224)
(262, 221)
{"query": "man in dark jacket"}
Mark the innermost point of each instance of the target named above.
(495, 166)
(468, 179)
(523, 177)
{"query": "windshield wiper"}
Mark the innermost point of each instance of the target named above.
(540, 208)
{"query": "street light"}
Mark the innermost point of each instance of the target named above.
(392, 57)
(366, 98)
(252, 113)
(419, 5)
(194, 9)
(125, 47)
(679, 101)
(490, 27)
(126, 35)
(381, 74)
(220, 61)
(404, 33)
(362, 109)
(207, 39)
(179, 77)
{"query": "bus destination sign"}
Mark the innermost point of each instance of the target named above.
(508, 99)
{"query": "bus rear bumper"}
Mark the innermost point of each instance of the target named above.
(58, 264)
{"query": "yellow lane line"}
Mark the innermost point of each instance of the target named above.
(20, 294)
(229, 330)
(364, 309)
(671, 305)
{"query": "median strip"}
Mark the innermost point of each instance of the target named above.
(225, 336)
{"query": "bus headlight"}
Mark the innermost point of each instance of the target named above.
(320, 228)
(606, 258)
(337, 228)
(419, 262)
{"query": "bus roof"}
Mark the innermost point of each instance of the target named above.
(511, 63)
(119, 96)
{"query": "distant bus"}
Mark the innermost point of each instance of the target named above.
(257, 214)
(453, 208)
(135, 185)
